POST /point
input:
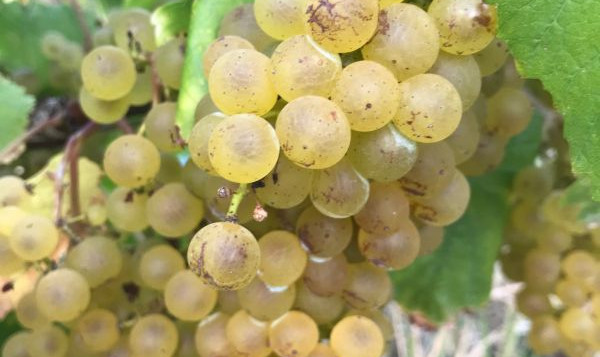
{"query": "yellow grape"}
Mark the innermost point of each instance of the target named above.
(571, 293)
(341, 25)
(286, 186)
(430, 108)
(323, 236)
(103, 111)
(509, 112)
(265, 302)
(492, 57)
(169, 62)
(544, 336)
(16, 345)
(131, 161)
(33, 238)
(173, 211)
(158, 264)
(357, 336)
(11, 262)
(533, 183)
(239, 82)
(327, 277)
(433, 170)
(243, 148)
(377, 316)
(294, 334)
(219, 47)
(99, 329)
(322, 309)
(368, 287)
(406, 41)
(13, 191)
(28, 313)
(47, 341)
(576, 324)
(463, 73)
(187, 297)
(205, 106)
(431, 238)
(228, 301)
(62, 294)
(108, 73)
(153, 335)
(489, 154)
(198, 141)
(464, 140)
(393, 249)
(579, 265)
(248, 335)
(160, 127)
(386, 209)
(97, 259)
(533, 303)
(553, 239)
(132, 30)
(280, 19)
(240, 21)
(282, 259)
(126, 209)
(542, 269)
(211, 337)
(141, 93)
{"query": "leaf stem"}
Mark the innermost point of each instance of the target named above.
(236, 199)
(87, 37)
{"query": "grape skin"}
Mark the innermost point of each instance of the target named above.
(33, 238)
(357, 336)
(108, 73)
(62, 294)
(131, 161)
(153, 335)
(280, 19)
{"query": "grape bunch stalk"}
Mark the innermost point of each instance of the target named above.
(332, 147)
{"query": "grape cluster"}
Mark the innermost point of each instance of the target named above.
(332, 147)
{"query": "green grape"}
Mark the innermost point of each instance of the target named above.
(205, 107)
(430, 108)
(108, 73)
(313, 132)
(131, 161)
(526, 219)
(13, 192)
(512, 262)
(96, 214)
(379, 318)
(198, 141)
(279, 19)
(99, 329)
(357, 336)
(368, 93)
(47, 341)
(186, 346)
(542, 269)
(28, 313)
(169, 62)
(264, 302)
(341, 25)
(103, 37)
(326, 277)
(248, 335)
(300, 67)
(489, 154)
(221, 46)
(188, 298)
(433, 170)
(16, 345)
(466, 26)
(97, 259)
(533, 183)
(368, 287)
(70, 57)
(323, 236)
(323, 350)
(570, 292)
(102, 111)
(126, 209)
(322, 309)
(158, 264)
(133, 30)
(225, 255)
(339, 191)
(579, 265)
(386, 209)
(153, 335)
(463, 73)
(141, 93)
(196, 181)
(533, 303)
(173, 211)
(492, 57)
(553, 239)
(448, 205)
(52, 44)
(161, 128)
(228, 301)
(576, 324)
(382, 155)
(211, 337)
(282, 259)
(243, 148)
(62, 294)
(544, 336)
(11, 262)
(406, 41)
(431, 238)
(509, 112)
(239, 83)
(170, 170)
(294, 334)
(286, 186)
(33, 238)
(240, 21)
(393, 249)
(464, 140)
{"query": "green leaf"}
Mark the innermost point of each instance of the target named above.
(556, 42)
(579, 194)
(171, 19)
(16, 105)
(8, 326)
(459, 272)
(204, 26)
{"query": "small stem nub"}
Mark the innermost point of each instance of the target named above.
(236, 199)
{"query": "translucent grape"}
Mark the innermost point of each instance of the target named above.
(13, 191)
(544, 336)
(492, 57)
(225, 255)
(323, 236)
(463, 73)
(339, 191)
(294, 334)
(542, 269)
(286, 186)
(464, 140)
(11, 262)
(16, 345)
(341, 25)
(430, 108)
(188, 298)
(71, 57)
(141, 93)
(153, 335)
(576, 324)
(241, 22)
(47, 341)
(126, 209)
(382, 155)
(243, 148)
(239, 83)
(248, 335)
(579, 265)
(131, 161)
(313, 132)
(28, 313)
(169, 62)
(378, 317)
(158, 264)
(173, 211)
(264, 302)
(571, 293)
(368, 287)
(406, 41)
(433, 170)
(52, 44)
(97, 259)
(322, 309)
(326, 278)
(357, 336)
(489, 154)
(300, 67)
(553, 239)
(282, 259)
(393, 249)
(170, 169)
(322, 349)
(280, 19)
(211, 339)
(386, 209)
(431, 238)
(198, 140)
(448, 205)
(99, 329)
(205, 106)
(133, 30)
(509, 112)
(33, 238)
(108, 73)
(103, 111)
(228, 301)
(466, 26)
(160, 127)
(533, 183)
(219, 47)
(62, 294)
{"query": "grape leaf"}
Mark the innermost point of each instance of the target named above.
(171, 19)
(8, 326)
(579, 194)
(204, 26)
(459, 273)
(16, 106)
(556, 42)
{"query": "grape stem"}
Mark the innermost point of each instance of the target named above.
(236, 199)
(124, 126)
(154, 78)
(87, 38)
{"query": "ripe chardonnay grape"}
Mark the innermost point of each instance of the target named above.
(99, 329)
(282, 259)
(280, 19)
(103, 111)
(161, 128)
(240, 21)
(294, 334)
(198, 141)
(211, 337)
(33, 238)
(132, 30)
(327, 277)
(464, 140)
(544, 336)
(28, 313)
(11, 262)
(108, 73)
(394, 249)
(264, 302)
(357, 336)
(97, 259)
(188, 298)
(219, 47)
(463, 73)
(16, 345)
(47, 341)
(158, 264)
(509, 112)
(248, 335)
(13, 191)
(173, 211)
(153, 335)
(131, 161)
(321, 235)
(322, 309)
(126, 209)
(433, 170)
(62, 294)
(386, 209)
(492, 57)
(169, 62)
(368, 287)
(286, 186)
